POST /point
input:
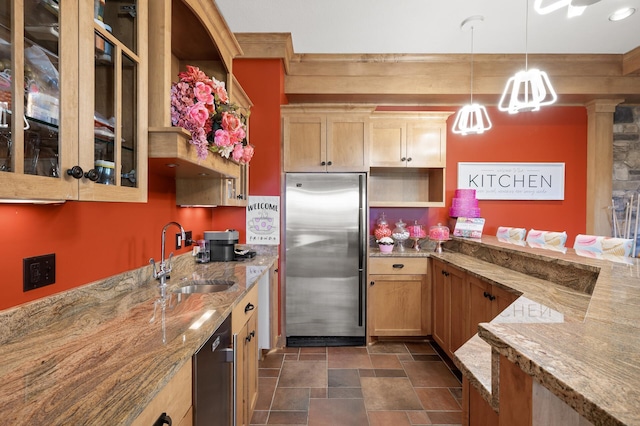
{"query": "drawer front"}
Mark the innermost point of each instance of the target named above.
(398, 265)
(243, 310)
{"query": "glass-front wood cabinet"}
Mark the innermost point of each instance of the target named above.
(73, 100)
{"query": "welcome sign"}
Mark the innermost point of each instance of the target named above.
(513, 181)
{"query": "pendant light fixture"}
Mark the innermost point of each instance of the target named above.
(472, 118)
(527, 90)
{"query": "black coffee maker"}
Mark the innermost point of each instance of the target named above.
(222, 244)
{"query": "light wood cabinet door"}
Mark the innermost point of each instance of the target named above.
(426, 145)
(244, 320)
(388, 143)
(441, 308)
(396, 306)
(458, 308)
(347, 143)
(305, 148)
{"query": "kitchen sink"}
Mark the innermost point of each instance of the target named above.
(204, 286)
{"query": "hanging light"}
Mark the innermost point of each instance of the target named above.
(472, 118)
(527, 90)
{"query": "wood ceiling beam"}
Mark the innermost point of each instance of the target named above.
(631, 62)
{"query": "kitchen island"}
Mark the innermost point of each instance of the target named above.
(573, 332)
(100, 353)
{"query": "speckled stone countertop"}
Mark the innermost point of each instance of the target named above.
(581, 339)
(100, 353)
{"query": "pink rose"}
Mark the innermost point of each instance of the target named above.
(247, 154)
(221, 138)
(230, 122)
(203, 93)
(199, 114)
(220, 91)
(238, 152)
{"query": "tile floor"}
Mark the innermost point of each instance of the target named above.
(398, 384)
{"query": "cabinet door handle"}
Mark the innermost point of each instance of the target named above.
(249, 307)
(409, 159)
(323, 163)
(92, 175)
(75, 172)
(403, 159)
(492, 297)
(398, 266)
(372, 283)
(164, 419)
(329, 163)
(485, 294)
(446, 274)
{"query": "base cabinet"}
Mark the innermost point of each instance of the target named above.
(174, 401)
(398, 298)
(449, 306)
(245, 336)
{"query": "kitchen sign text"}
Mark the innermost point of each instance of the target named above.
(513, 181)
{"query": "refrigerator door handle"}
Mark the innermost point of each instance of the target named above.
(363, 248)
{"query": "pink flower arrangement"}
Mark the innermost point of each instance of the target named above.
(201, 106)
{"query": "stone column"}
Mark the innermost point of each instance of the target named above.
(600, 164)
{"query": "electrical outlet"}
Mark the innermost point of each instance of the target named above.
(38, 271)
(178, 241)
(188, 241)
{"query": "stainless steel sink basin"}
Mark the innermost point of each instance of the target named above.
(205, 286)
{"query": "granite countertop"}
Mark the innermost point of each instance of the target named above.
(584, 349)
(100, 353)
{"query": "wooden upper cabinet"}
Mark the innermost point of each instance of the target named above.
(325, 139)
(409, 139)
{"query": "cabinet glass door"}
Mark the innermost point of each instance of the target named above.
(115, 93)
(30, 88)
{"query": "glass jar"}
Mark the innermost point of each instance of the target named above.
(400, 234)
(382, 228)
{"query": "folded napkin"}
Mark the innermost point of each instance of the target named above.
(604, 245)
(536, 238)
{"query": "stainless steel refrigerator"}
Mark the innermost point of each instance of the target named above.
(325, 246)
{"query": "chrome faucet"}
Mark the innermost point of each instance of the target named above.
(165, 266)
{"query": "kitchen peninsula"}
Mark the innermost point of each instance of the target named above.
(569, 340)
(100, 353)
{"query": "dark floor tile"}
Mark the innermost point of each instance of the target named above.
(314, 350)
(268, 372)
(386, 418)
(420, 348)
(288, 418)
(457, 394)
(337, 412)
(291, 356)
(339, 377)
(318, 393)
(290, 399)
(344, 393)
(390, 373)
(430, 374)
(312, 357)
(303, 374)
(366, 372)
(418, 418)
(434, 358)
(353, 350)
(389, 393)
(437, 399)
(445, 417)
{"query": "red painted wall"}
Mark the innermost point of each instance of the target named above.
(553, 134)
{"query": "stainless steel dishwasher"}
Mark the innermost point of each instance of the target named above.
(212, 379)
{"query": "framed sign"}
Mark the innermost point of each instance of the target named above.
(513, 181)
(263, 220)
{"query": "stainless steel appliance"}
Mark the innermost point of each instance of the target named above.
(221, 244)
(212, 379)
(325, 241)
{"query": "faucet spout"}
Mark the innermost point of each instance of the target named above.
(164, 268)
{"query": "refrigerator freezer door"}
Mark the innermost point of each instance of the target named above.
(324, 216)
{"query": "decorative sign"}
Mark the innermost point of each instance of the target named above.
(469, 227)
(263, 220)
(513, 181)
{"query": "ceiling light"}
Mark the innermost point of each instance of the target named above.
(621, 14)
(574, 7)
(472, 118)
(528, 90)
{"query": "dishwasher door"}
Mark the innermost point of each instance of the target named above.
(212, 379)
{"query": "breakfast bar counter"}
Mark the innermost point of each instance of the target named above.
(585, 349)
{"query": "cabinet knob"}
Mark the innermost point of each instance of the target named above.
(398, 266)
(403, 159)
(409, 159)
(485, 294)
(323, 163)
(249, 307)
(92, 175)
(372, 283)
(75, 172)
(329, 163)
